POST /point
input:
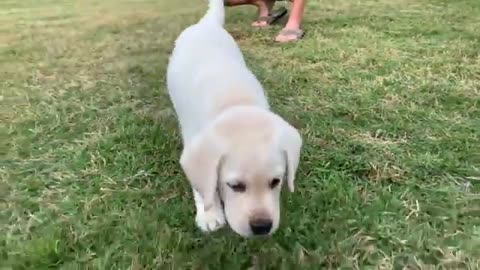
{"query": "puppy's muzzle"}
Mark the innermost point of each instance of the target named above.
(260, 226)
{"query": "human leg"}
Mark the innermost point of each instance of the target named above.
(265, 14)
(292, 30)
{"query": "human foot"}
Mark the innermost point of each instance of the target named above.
(265, 14)
(270, 19)
(289, 34)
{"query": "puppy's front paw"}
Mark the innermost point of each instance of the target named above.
(211, 220)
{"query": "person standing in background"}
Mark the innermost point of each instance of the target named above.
(266, 15)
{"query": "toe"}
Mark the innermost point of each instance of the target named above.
(287, 35)
(285, 38)
(259, 23)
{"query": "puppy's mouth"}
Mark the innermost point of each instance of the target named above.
(220, 197)
(223, 204)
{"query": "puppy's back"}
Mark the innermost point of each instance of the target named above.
(206, 70)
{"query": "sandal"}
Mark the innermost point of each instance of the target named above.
(273, 17)
(296, 34)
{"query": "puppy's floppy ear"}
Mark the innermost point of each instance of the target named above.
(290, 143)
(200, 160)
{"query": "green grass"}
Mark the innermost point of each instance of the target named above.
(386, 94)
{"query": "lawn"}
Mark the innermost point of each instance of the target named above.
(385, 94)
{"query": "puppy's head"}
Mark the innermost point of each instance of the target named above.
(245, 156)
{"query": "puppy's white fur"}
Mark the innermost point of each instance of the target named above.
(231, 138)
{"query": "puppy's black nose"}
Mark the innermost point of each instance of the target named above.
(261, 226)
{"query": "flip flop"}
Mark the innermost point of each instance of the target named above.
(297, 33)
(272, 17)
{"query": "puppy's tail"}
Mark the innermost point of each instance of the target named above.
(215, 13)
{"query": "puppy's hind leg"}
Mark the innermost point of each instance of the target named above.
(212, 219)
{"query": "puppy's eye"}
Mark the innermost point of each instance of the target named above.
(238, 187)
(274, 183)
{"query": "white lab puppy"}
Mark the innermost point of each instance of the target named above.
(236, 150)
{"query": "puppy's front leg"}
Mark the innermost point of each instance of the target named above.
(212, 219)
